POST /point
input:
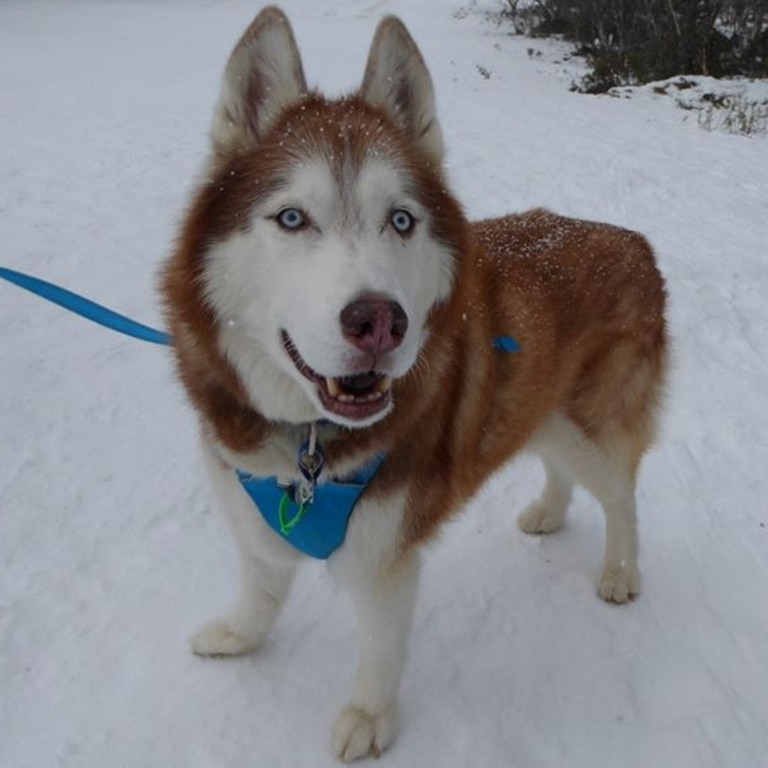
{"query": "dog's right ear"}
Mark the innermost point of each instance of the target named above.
(263, 75)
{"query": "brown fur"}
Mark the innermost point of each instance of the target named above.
(585, 301)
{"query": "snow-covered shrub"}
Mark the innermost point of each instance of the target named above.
(735, 114)
(631, 42)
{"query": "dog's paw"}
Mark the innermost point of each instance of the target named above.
(358, 734)
(619, 585)
(537, 519)
(220, 638)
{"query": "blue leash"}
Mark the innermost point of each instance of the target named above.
(85, 307)
(122, 324)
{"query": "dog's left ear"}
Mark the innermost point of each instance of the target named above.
(397, 81)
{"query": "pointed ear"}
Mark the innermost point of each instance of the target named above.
(397, 81)
(263, 76)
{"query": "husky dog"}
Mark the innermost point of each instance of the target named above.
(362, 358)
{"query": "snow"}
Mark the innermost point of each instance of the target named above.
(110, 552)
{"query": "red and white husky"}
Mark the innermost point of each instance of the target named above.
(326, 283)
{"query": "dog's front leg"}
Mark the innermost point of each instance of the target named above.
(267, 567)
(382, 582)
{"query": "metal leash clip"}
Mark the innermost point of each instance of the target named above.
(311, 463)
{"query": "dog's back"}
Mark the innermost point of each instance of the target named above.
(594, 293)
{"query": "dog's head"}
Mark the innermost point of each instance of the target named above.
(326, 231)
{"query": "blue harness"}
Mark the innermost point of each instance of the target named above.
(324, 513)
(323, 520)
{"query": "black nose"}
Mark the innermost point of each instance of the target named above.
(374, 323)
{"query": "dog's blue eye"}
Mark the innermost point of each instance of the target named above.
(402, 221)
(291, 218)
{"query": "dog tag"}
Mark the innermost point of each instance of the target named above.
(310, 464)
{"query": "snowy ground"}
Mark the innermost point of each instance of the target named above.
(110, 553)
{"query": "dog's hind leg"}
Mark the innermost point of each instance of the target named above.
(267, 569)
(547, 513)
(382, 582)
(609, 477)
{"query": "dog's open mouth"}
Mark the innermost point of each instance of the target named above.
(357, 396)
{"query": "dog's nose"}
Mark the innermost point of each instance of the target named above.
(374, 323)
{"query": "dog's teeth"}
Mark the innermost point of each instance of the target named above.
(337, 393)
